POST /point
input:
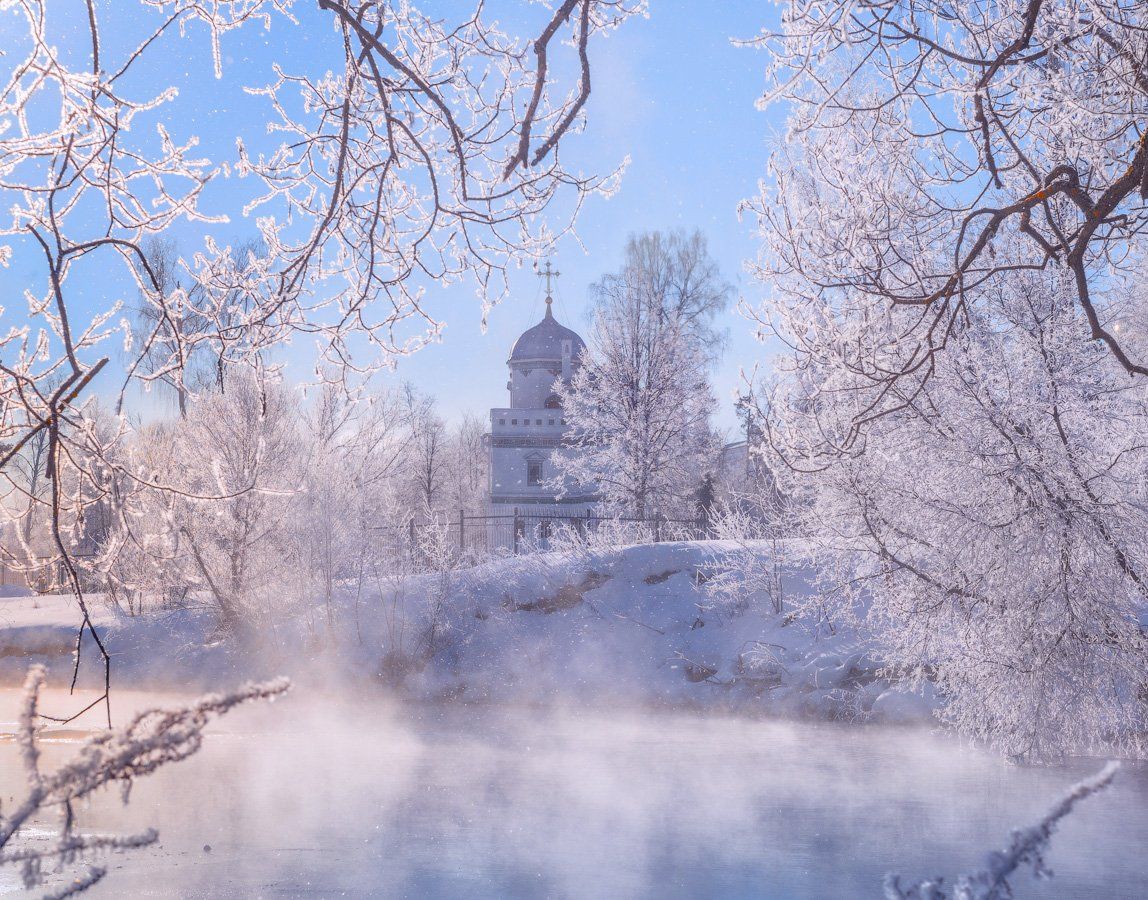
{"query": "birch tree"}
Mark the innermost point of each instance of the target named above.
(639, 404)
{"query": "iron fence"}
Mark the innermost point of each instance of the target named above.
(522, 532)
(47, 574)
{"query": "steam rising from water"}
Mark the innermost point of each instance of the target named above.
(318, 795)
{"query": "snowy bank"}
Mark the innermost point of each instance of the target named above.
(628, 625)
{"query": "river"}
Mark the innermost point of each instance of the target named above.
(321, 797)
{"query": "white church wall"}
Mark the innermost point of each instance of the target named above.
(532, 383)
(526, 434)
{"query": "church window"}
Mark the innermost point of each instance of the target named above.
(537, 421)
(502, 421)
(534, 472)
(513, 421)
(552, 402)
(551, 422)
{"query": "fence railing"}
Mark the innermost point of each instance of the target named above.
(520, 532)
(46, 574)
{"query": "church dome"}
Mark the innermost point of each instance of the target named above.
(544, 340)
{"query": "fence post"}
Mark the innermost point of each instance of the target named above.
(461, 532)
(514, 528)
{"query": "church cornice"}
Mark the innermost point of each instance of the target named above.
(526, 441)
(523, 500)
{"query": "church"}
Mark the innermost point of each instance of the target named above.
(527, 432)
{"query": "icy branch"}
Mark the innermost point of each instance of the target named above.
(118, 756)
(1027, 848)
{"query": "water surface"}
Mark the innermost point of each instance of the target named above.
(321, 797)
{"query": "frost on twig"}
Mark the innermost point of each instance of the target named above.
(405, 149)
(1027, 847)
(151, 739)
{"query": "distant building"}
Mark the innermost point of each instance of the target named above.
(524, 435)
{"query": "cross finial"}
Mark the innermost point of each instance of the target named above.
(548, 273)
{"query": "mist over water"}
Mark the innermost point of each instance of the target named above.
(320, 796)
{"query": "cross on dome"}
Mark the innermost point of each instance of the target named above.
(548, 273)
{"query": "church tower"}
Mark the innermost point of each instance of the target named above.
(525, 434)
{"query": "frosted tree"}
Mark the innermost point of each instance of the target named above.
(956, 424)
(408, 150)
(681, 279)
(992, 532)
(356, 451)
(935, 147)
(468, 464)
(208, 513)
(639, 404)
(428, 457)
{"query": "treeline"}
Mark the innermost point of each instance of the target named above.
(258, 496)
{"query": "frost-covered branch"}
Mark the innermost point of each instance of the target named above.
(1026, 848)
(116, 757)
(935, 149)
(410, 149)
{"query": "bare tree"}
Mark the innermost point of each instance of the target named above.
(428, 464)
(681, 280)
(31, 470)
(468, 464)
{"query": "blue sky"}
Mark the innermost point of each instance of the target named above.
(674, 94)
(670, 91)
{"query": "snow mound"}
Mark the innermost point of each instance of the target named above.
(627, 625)
(636, 624)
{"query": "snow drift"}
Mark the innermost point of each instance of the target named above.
(630, 625)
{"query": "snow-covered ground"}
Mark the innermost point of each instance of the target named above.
(628, 625)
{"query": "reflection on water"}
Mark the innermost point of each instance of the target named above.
(326, 799)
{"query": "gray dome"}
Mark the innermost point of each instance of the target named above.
(544, 340)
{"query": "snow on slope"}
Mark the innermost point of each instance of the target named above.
(629, 625)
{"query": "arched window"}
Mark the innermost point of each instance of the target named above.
(552, 402)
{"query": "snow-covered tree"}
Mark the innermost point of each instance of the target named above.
(934, 147)
(992, 530)
(355, 451)
(468, 464)
(218, 520)
(950, 236)
(639, 404)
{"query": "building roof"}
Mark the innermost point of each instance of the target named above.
(544, 340)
